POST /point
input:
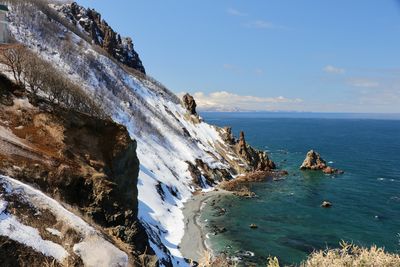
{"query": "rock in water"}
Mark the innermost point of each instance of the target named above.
(326, 204)
(313, 161)
(190, 104)
(330, 170)
(253, 226)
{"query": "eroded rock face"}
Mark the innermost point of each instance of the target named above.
(103, 35)
(242, 147)
(86, 162)
(190, 104)
(257, 160)
(204, 175)
(228, 136)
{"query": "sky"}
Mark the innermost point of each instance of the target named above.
(278, 55)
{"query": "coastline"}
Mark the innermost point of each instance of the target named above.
(193, 244)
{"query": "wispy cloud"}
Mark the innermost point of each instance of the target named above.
(259, 71)
(266, 25)
(235, 12)
(363, 82)
(233, 68)
(226, 101)
(333, 70)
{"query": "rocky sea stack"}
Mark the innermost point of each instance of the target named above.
(314, 161)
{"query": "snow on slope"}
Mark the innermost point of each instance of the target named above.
(152, 115)
(15, 230)
(93, 249)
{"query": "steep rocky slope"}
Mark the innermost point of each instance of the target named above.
(179, 153)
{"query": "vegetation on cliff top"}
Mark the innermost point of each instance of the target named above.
(348, 255)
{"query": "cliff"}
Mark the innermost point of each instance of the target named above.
(88, 163)
(179, 153)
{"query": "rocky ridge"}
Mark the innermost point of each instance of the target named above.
(103, 35)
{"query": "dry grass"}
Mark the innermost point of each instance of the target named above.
(208, 260)
(349, 255)
(272, 262)
(352, 255)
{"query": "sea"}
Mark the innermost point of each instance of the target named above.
(291, 222)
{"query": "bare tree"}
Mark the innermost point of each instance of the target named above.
(13, 58)
(35, 71)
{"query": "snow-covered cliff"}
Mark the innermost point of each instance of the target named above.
(171, 142)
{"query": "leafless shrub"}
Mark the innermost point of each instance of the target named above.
(36, 74)
(35, 71)
(13, 59)
(52, 14)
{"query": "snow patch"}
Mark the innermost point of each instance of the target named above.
(106, 253)
(54, 232)
(29, 236)
(95, 253)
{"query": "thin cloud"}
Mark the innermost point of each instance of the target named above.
(259, 71)
(232, 68)
(235, 12)
(263, 24)
(218, 101)
(333, 70)
(363, 83)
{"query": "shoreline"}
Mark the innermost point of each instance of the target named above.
(193, 244)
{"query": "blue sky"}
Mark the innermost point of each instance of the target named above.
(303, 55)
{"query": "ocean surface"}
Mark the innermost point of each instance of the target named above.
(291, 223)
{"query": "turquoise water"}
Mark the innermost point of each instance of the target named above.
(291, 223)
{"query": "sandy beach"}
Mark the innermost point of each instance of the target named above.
(193, 244)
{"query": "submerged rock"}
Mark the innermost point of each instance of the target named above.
(326, 204)
(330, 170)
(253, 226)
